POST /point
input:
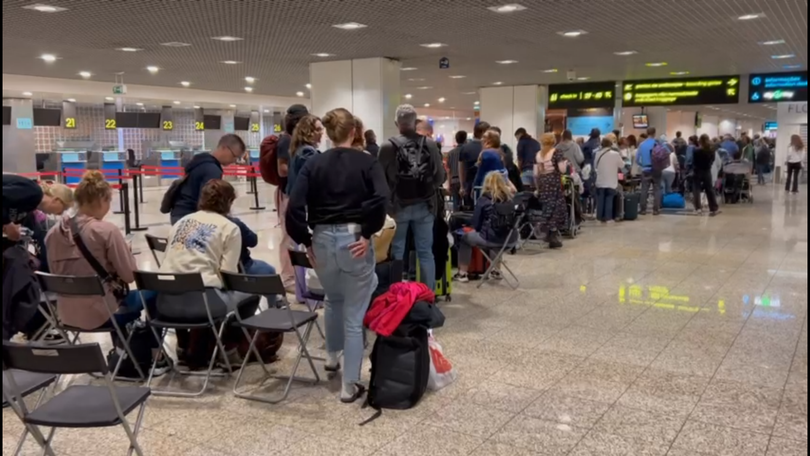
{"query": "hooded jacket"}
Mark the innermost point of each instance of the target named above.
(21, 196)
(201, 169)
(573, 154)
(490, 162)
(106, 243)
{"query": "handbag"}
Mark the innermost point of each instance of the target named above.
(118, 288)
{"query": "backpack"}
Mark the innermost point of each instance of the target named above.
(171, 195)
(660, 157)
(268, 160)
(400, 370)
(141, 346)
(21, 289)
(414, 169)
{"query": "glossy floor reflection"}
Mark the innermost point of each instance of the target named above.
(678, 335)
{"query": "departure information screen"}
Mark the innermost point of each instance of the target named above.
(590, 95)
(778, 87)
(683, 92)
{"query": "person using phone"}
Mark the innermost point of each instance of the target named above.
(341, 194)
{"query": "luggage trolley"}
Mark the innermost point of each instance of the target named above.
(574, 224)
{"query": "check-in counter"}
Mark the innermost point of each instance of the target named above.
(113, 161)
(74, 161)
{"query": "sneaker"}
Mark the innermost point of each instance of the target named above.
(496, 275)
(462, 278)
(642, 213)
(53, 337)
(163, 367)
(715, 213)
(611, 222)
(656, 213)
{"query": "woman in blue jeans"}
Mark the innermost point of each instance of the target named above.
(609, 163)
(341, 194)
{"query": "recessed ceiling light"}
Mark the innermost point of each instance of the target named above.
(679, 73)
(233, 106)
(783, 56)
(45, 8)
(551, 70)
(424, 88)
(50, 58)
(408, 96)
(427, 105)
(250, 79)
(583, 78)
(506, 62)
(109, 98)
(751, 17)
(231, 62)
(469, 93)
(772, 42)
(248, 89)
(177, 102)
(196, 107)
(497, 83)
(152, 69)
(573, 33)
(323, 55)
(477, 103)
(139, 104)
(416, 79)
(175, 44)
(227, 39)
(433, 45)
(469, 118)
(267, 111)
(442, 100)
(504, 9)
(792, 67)
(28, 94)
(85, 74)
(408, 69)
(626, 53)
(350, 26)
(71, 100)
(185, 83)
(458, 76)
(657, 64)
(300, 94)
(308, 86)
(129, 49)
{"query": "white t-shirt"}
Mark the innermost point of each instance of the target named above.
(673, 163)
(796, 156)
(609, 164)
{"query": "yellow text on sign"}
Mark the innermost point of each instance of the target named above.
(70, 122)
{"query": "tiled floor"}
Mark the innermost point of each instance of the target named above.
(678, 336)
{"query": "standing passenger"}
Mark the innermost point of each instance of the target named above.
(527, 149)
(371, 143)
(469, 162)
(551, 165)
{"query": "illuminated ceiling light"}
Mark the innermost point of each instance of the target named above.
(751, 17)
(442, 100)
(551, 71)
(300, 94)
(416, 80)
(477, 103)
(505, 9)
(408, 96)
(679, 73)
(427, 105)
(71, 100)
(458, 76)
(175, 44)
(250, 79)
(573, 33)
(185, 83)
(350, 26)
(424, 88)
(583, 78)
(783, 56)
(248, 89)
(626, 53)
(469, 118)
(139, 104)
(45, 8)
(469, 93)
(308, 86)
(129, 49)
(153, 69)
(85, 74)
(50, 58)
(433, 45)
(323, 55)
(28, 94)
(231, 62)
(408, 69)
(267, 111)
(177, 102)
(772, 42)
(109, 98)
(497, 83)
(233, 106)
(793, 67)
(506, 62)
(227, 39)
(657, 64)
(196, 107)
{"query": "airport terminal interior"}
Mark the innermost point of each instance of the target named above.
(674, 332)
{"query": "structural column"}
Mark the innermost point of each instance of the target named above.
(510, 108)
(19, 151)
(369, 88)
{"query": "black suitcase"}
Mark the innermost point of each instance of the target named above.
(632, 203)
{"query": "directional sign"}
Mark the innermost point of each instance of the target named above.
(590, 95)
(683, 92)
(778, 87)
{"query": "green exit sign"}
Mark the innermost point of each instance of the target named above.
(119, 90)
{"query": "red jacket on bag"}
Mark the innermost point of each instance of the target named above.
(388, 311)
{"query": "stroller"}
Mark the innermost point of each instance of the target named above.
(736, 183)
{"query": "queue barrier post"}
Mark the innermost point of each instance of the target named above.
(139, 176)
(137, 211)
(125, 194)
(121, 205)
(255, 187)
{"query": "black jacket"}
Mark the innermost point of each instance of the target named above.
(201, 169)
(21, 197)
(21, 290)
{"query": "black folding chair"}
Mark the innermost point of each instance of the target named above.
(508, 212)
(181, 285)
(272, 320)
(156, 244)
(527, 204)
(78, 406)
(27, 383)
(72, 286)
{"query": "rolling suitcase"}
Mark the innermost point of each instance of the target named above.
(632, 202)
(444, 284)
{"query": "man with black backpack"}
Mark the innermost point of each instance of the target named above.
(414, 170)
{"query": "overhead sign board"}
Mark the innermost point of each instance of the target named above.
(778, 87)
(590, 95)
(69, 114)
(713, 90)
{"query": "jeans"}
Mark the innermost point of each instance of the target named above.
(130, 311)
(604, 204)
(794, 175)
(669, 181)
(259, 267)
(349, 283)
(420, 219)
(527, 176)
(465, 249)
(704, 182)
(647, 179)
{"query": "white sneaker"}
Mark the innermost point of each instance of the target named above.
(462, 278)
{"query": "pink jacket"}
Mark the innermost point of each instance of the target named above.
(388, 311)
(107, 244)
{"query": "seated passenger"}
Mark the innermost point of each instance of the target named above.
(107, 245)
(489, 233)
(205, 242)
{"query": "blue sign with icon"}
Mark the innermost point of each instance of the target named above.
(25, 123)
(778, 87)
